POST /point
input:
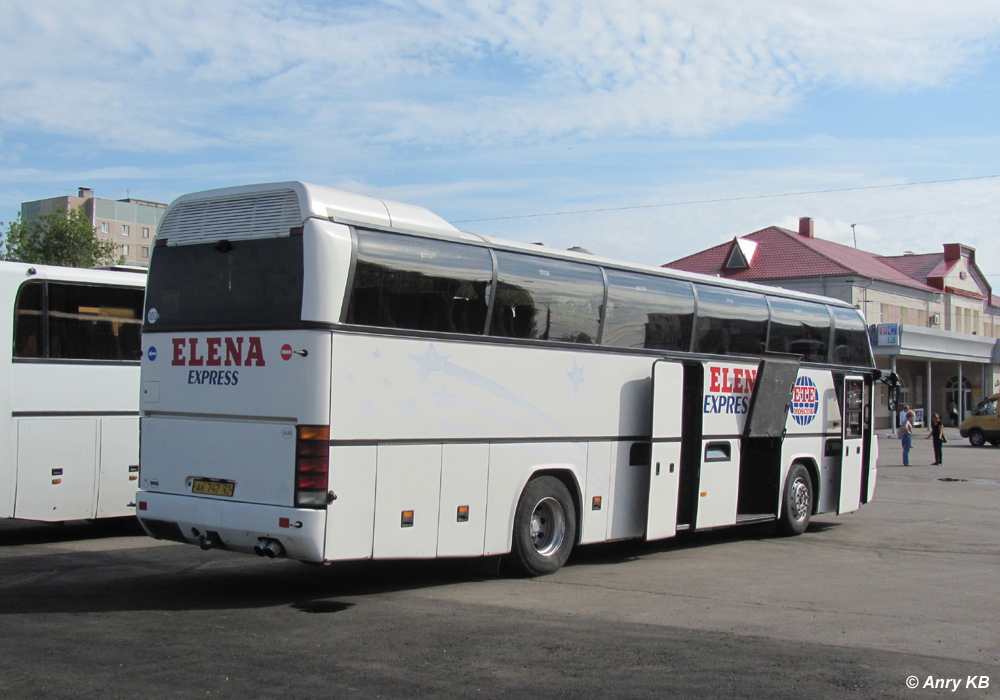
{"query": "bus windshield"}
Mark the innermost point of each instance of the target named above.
(226, 284)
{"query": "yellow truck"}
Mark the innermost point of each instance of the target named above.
(984, 424)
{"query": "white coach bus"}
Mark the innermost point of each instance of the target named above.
(328, 376)
(70, 392)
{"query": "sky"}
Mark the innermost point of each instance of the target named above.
(642, 130)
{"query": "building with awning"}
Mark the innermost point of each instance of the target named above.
(933, 318)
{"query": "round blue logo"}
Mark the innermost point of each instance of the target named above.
(152, 353)
(805, 401)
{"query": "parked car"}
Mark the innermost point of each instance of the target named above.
(984, 424)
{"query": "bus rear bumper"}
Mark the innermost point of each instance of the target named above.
(238, 527)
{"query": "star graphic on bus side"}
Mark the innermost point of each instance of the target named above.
(576, 377)
(430, 362)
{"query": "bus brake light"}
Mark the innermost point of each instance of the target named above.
(312, 466)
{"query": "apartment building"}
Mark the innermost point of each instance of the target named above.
(128, 223)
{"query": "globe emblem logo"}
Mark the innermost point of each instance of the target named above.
(805, 401)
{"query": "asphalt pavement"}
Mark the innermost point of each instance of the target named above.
(897, 600)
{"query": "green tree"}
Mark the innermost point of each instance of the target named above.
(56, 239)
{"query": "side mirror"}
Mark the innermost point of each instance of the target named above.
(891, 380)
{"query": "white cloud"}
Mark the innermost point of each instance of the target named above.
(187, 75)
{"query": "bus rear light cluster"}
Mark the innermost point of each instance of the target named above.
(312, 466)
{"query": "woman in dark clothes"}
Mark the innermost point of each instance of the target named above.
(937, 434)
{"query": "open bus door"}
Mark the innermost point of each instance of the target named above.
(763, 435)
(665, 457)
(853, 434)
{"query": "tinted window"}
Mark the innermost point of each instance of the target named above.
(648, 312)
(79, 322)
(850, 338)
(547, 299)
(420, 284)
(250, 284)
(730, 322)
(800, 328)
(28, 338)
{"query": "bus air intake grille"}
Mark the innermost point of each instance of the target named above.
(243, 216)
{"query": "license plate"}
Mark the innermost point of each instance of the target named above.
(208, 487)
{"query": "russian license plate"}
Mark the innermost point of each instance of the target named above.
(210, 487)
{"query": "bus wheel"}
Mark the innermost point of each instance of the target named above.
(977, 438)
(544, 527)
(796, 507)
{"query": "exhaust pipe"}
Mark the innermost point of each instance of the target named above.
(210, 540)
(268, 547)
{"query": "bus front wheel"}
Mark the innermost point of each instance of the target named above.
(544, 527)
(796, 505)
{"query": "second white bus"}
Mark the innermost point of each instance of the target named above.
(328, 377)
(69, 392)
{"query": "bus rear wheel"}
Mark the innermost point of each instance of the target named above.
(544, 528)
(796, 505)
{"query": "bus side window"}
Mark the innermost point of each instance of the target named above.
(28, 321)
(94, 323)
(547, 299)
(419, 284)
(800, 328)
(729, 321)
(850, 338)
(648, 312)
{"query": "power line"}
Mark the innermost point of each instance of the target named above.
(926, 213)
(725, 199)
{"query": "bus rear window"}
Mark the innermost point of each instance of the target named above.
(244, 283)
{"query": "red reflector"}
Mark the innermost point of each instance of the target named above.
(284, 522)
(142, 505)
(314, 449)
(312, 481)
(314, 465)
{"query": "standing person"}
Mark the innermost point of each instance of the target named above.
(937, 434)
(906, 435)
(953, 411)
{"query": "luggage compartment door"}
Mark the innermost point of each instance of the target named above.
(665, 452)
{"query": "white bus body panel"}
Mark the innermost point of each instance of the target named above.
(258, 456)
(408, 480)
(727, 387)
(190, 392)
(665, 453)
(350, 527)
(464, 477)
(119, 464)
(56, 464)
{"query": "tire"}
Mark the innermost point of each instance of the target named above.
(796, 502)
(544, 528)
(976, 438)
